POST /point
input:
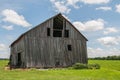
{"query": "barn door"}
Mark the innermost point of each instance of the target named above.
(19, 61)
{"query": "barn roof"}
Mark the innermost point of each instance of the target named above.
(45, 21)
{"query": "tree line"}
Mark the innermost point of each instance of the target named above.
(106, 58)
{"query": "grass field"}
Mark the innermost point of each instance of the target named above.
(110, 70)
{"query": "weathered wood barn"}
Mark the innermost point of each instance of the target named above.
(53, 43)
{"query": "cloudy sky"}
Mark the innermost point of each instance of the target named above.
(98, 20)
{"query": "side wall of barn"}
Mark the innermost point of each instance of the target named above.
(17, 57)
(48, 51)
(80, 40)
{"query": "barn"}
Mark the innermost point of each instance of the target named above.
(53, 43)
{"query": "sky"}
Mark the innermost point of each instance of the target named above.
(97, 20)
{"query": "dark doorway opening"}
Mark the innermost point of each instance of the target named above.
(69, 47)
(57, 64)
(10, 59)
(19, 61)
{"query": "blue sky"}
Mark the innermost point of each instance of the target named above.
(98, 20)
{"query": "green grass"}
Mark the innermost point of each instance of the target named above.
(110, 70)
(108, 64)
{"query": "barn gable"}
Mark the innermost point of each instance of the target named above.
(58, 18)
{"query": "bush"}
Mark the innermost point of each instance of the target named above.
(70, 68)
(84, 66)
(79, 66)
(93, 66)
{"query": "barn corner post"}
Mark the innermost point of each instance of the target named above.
(10, 59)
(53, 43)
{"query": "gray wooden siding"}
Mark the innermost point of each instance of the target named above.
(18, 48)
(44, 51)
(40, 50)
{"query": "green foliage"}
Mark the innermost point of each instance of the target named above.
(107, 64)
(70, 68)
(79, 66)
(84, 66)
(93, 66)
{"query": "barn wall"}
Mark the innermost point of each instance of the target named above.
(39, 50)
(18, 47)
(45, 51)
(77, 36)
(35, 45)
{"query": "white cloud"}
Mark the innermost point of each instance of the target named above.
(73, 3)
(109, 41)
(8, 27)
(98, 52)
(118, 8)
(4, 55)
(79, 25)
(95, 52)
(110, 30)
(2, 47)
(92, 25)
(104, 8)
(13, 17)
(4, 51)
(95, 1)
(61, 6)
(64, 6)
